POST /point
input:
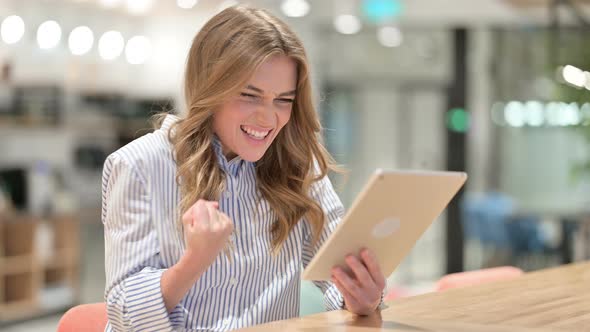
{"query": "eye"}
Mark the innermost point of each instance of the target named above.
(285, 100)
(248, 95)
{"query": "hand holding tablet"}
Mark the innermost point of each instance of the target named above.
(387, 217)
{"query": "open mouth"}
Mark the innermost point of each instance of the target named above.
(255, 134)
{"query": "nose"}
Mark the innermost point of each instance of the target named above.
(265, 115)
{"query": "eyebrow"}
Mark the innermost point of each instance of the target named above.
(284, 94)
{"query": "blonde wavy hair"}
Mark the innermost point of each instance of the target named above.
(223, 56)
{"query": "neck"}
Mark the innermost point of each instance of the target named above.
(229, 155)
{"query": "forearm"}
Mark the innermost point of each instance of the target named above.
(178, 279)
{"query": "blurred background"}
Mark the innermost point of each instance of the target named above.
(497, 88)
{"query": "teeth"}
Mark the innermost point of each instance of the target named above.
(255, 133)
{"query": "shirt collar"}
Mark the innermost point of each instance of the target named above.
(169, 120)
(232, 166)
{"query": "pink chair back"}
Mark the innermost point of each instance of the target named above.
(84, 318)
(477, 277)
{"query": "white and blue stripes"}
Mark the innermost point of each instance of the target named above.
(139, 213)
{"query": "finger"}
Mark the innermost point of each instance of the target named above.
(349, 300)
(349, 284)
(213, 214)
(360, 272)
(215, 217)
(200, 213)
(213, 203)
(187, 217)
(226, 220)
(370, 261)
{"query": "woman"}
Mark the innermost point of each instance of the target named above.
(209, 219)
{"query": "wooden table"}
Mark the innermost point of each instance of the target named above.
(555, 299)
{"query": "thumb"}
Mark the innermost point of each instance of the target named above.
(200, 212)
(193, 215)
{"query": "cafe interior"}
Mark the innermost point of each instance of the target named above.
(498, 89)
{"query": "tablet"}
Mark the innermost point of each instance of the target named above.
(388, 217)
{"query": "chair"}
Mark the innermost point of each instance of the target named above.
(84, 318)
(470, 278)
(462, 279)
(491, 218)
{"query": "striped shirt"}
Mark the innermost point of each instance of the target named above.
(140, 200)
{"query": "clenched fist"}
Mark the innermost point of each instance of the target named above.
(206, 231)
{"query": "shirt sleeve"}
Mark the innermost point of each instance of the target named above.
(132, 263)
(323, 192)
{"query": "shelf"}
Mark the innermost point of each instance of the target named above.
(18, 310)
(58, 296)
(24, 310)
(35, 280)
(20, 287)
(17, 237)
(65, 257)
(16, 264)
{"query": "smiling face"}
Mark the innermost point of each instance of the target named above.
(248, 123)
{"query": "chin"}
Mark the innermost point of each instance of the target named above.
(253, 154)
(252, 157)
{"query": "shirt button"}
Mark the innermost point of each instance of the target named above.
(226, 322)
(233, 281)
